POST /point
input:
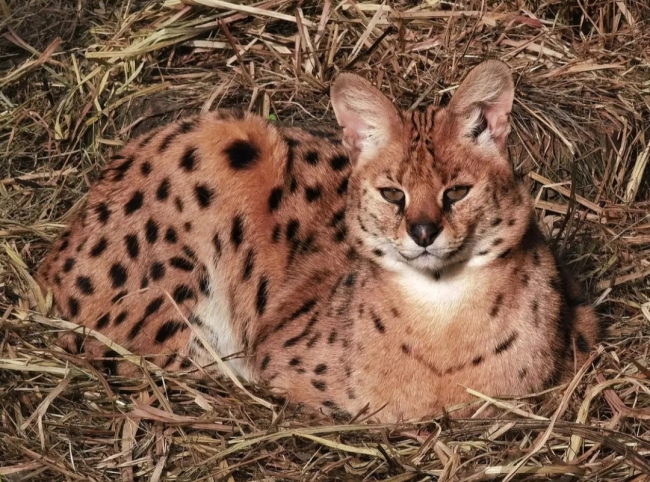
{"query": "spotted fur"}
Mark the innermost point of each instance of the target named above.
(278, 245)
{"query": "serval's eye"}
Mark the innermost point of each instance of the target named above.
(456, 194)
(392, 195)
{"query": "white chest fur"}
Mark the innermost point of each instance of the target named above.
(444, 299)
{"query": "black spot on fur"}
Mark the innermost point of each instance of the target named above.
(275, 198)
(85, 285)
(332, 338)
(320, 368)
(68, 265)
(170, 235)
(170, 359)
(265, 362)
(582, 344)
(135, 203)
(504, 345)
(522, 373)
(306, 307)
(78, 344)
(119, 296)
(313, 193)
(203, 195)
(343, 187)
(184, 127)
(292, 229)
(162, 192)
(103, 212)
(195, 320)
(237, 231)
(483, 253)
(157, 270)
(145, 168)
(262, 295)
(379, 325)
(477, 361)
(340, 234)
(151, 231)
(73, 307)
(249, 263)
(146, 139)
(312, 158)
(497, 242)
(377, 252)
(216, 242)
(118, 275)
(340, 162)
(525, 279)
(291, 143)
(98, 248)
(505, 254)
(188, 125)
(295, 361)
(178, 202)
(64, 245)
(319, 385)
(119, 319)
(305, 332)
(187, 226)
(167, 330)
(555, 284)
(153, 306)
(144, 282)
(312, 341)
(498, 301)
(204, 285)
(103, 321)
(496, 222)
(325, 133)
(120, 170)
(132, 245)
(110, 366)
(335, 408)
(181, 263)
(188, 161)
(242, 154)
(293, 185)
(338, 218)
(275, 236)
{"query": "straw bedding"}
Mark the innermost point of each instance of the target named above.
(79, 78)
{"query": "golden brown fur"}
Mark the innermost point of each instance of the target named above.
(279, 245)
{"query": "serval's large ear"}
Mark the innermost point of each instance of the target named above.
(369, 120)
(481, 106)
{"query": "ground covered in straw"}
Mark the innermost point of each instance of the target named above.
(79, 78)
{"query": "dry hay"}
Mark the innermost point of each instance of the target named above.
(78, 79)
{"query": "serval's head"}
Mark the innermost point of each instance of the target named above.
(434, 188)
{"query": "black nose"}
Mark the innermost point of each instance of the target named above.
(424, 234)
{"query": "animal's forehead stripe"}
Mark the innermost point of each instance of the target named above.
(420, 123)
